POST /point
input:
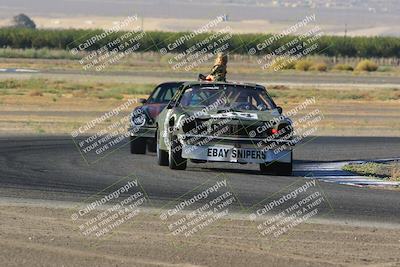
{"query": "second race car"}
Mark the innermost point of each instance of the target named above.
(142, 126)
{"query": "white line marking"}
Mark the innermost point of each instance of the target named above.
(332, 172)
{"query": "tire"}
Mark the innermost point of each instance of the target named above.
(267, 168)
(152, 145)
(138, 145)
(284, 169)
(277, 168)
(162, 155)
(176, 162)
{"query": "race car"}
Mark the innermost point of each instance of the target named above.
(224, 122)
(142, 126)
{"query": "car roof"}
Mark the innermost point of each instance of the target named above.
(172, 82)
(244, 84)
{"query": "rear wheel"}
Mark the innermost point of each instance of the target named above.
(138, 145)
(277, 168)
(267, 168)
(162, 155)
(152, 145)
(176, 162)
(284, 169)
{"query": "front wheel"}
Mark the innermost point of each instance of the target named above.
(152, 145)
(138, 145)
(162, 155)
(284, 169)
(176, 162)
(277, 168)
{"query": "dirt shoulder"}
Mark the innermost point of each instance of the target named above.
(37, 236)
(389, 170)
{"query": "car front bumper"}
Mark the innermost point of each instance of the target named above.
(143, 131)
(230, 153)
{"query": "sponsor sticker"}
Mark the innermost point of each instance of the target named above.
(235, 154)
(236, 115)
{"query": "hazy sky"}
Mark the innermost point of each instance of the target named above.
(357, 17)
(180, 9)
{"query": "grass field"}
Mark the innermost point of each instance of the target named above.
(387, 170)
(79, 89)
(58, 106)
(119, 90)
(49, 59)
(63, 97)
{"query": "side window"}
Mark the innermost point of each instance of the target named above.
(177, 94)
(155, 96)
(254, 101)
(169, 93)
(186, 96)
(196, 99)
(163, 93)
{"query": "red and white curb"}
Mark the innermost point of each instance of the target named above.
(333, 172)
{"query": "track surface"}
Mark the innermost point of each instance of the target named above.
(51, 168)
(331, 79)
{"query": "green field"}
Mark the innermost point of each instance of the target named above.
(365, 47)
(117, 90)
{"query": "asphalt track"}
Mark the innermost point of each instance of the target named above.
(51, 168)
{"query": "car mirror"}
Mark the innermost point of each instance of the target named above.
(142, 100)
(280, 110)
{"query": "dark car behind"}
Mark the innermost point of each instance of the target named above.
(142, 125)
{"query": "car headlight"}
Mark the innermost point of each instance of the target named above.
(187, 123)
(189, 126)
(138, 119)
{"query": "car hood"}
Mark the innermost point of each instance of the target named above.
(153, 110)
(250, 115)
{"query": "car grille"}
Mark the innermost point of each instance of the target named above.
(237, 130)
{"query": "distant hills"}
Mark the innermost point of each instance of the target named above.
(337, 17)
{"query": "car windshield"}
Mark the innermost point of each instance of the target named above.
(227, 97)
(163, 93)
